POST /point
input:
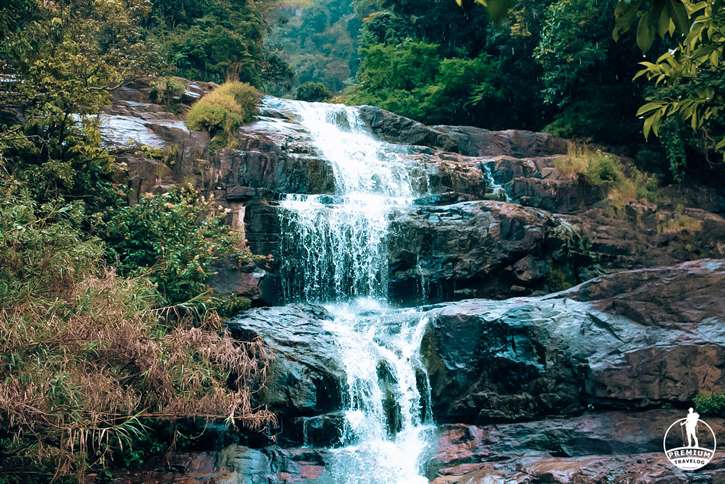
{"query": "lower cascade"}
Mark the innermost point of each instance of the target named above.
(334, 252)
(388, 397)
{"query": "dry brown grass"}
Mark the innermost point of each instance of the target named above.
(678, 222)
(82, 373)
(624, 184)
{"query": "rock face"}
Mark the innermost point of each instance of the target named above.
(628, 340)
(231, 465)
(603, 354)
(479, 249)
(305, 378)
(602, 447)
(465, 140)
(275, 155)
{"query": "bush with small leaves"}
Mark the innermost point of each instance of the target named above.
(215, 113)
(222, 111)
(711, 404)
(168, 90)
(313, 92)
(246, 96)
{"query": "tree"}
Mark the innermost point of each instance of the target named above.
(690, 79)
(313, 91)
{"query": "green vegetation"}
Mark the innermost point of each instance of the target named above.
(214, 40)
(689, 82)
(313, 91)
(223, 110)
(622, 184)
(111, 334)
(319, 41)
(712, 404)
(168, 90)
(173, 239)
(569, 67)
(89, 359)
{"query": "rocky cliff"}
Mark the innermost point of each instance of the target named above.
(599, 323)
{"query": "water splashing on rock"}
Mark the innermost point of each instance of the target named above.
(334, 250)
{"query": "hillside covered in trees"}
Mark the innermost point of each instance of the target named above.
(209, 208)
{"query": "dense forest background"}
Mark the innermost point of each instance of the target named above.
(109, 332)
(550, 65)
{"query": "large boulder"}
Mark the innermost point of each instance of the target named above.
(231, 465)
(536, 182)
(636, 339)
(645, 234)
(595, 447)
(305, 377)
(467, 140)
(481, 249)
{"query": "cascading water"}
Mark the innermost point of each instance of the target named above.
(338, 241)
(496, 189)
(334, 251)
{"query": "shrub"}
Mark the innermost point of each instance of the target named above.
(711, 404)
(313, 92)
(172, 238)
(223, 110)
(678, 222)
(246, 96)
(216, 114)
(623, 184)
(168, 90)
(87, 361)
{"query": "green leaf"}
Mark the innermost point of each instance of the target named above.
(680, 16)
(645, 32)
(648, 126)
(651, 106)
(663, 24)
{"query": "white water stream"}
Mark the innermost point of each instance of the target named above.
(334, 251)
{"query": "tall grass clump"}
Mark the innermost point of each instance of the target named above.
(89, 362)
(222, 111)
(623, 184)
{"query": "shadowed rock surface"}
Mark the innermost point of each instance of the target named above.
(627, 340)
(305, 378)
(494, 218)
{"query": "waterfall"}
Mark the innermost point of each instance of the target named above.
(336, 244)
(496, 189)
(388, 397)
(333, 251)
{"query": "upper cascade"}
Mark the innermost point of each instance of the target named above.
(334, 247)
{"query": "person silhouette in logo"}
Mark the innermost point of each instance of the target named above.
(690, 424)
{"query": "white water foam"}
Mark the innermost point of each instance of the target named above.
(337, 243)
(388, 416)
(333, 250)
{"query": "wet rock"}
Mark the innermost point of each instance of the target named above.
(645, 235)
(305, 376)
(602, 447)
(471, 249)
(322, 430)
(465, 249)
(466, 140)
(630, 340)
(246, 280)
(231, 465)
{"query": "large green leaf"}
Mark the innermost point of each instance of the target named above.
(680, 16)
(646, 31)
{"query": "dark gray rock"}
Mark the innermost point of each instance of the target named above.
(466, 140)
(635, 339)
(305, 378)
(479, 249)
